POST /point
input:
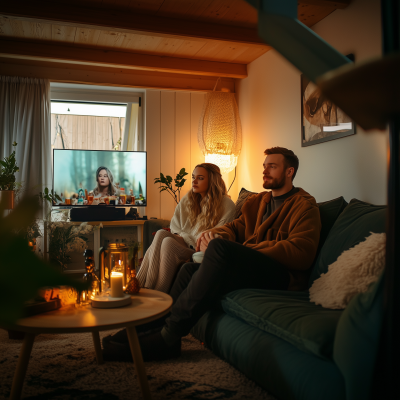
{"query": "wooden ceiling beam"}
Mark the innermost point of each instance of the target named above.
(90, 56)
(128, 21)
(326, 3)
(92, 75)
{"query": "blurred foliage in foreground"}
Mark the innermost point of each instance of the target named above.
(22, 272)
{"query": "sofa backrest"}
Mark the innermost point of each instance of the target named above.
(353, 225)
(329, 212)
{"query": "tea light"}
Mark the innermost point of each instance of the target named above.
(116, 284)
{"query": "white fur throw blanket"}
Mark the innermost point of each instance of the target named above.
(351, 273)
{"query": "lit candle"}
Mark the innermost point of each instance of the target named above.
(116, 284)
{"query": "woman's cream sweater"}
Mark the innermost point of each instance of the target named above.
(180, 221)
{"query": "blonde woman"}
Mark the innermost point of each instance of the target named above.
(206, 206)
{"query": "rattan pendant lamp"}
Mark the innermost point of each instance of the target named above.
(220, 131)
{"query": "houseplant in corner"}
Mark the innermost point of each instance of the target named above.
(8, 169)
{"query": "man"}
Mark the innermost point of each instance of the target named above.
(270, 246)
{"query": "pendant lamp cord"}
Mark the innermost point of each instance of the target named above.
(232, 181)
(216, 83)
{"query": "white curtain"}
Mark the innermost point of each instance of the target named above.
(25, 119)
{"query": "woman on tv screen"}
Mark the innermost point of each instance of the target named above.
(93, 177)
(105, 183)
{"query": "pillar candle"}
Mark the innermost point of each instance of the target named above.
(116, 284)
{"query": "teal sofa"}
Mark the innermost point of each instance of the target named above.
(292, 347)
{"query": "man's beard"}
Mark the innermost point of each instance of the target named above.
(275, 183)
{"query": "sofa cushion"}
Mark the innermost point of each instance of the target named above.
(288, 315)
(357, 341)
(243, 195)
(353, 225)
(329, 212)
(274, 364)
(353, 272)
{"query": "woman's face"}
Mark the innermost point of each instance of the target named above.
(200, 181)
(103, 178)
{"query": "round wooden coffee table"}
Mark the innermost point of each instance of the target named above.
(146, 306)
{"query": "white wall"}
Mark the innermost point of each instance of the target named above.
(269, 105)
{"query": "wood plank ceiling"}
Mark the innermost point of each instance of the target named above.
(201, 39)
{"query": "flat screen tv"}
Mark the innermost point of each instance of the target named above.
(100, 177)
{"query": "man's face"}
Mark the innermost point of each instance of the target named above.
(275, 172)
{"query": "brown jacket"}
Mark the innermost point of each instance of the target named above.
(290, 235)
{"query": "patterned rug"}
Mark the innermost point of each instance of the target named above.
(64, 367)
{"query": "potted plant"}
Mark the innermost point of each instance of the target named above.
(8, 169)
(167, 182)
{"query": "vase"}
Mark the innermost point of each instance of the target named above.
(7, 198)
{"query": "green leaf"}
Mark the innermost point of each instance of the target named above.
(46, 190)
(29, 273)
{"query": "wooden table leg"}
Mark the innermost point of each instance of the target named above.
(138, 360)
(97, 347)
(22, 366)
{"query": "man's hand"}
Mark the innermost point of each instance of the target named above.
(198, 242)
(205, 239)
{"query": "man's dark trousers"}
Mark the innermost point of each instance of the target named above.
(226, 266)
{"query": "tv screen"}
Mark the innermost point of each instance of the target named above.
(100, 177)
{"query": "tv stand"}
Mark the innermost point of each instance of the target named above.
(96, 235)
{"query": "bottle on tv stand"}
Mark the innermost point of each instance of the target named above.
(122, 196)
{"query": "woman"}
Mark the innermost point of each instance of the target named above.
(204, 207)
(105, 183)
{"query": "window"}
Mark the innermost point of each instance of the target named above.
(87, 125)
(95, 117)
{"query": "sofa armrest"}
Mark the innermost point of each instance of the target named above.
(150, 226)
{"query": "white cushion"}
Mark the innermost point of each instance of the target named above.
(351, 273)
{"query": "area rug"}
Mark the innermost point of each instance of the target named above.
(64, 367)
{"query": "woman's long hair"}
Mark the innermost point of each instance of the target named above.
(206, 212)
(111, 187)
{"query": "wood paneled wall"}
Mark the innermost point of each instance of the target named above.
(172, 120)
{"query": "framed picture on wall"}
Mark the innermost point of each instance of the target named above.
(321, 120)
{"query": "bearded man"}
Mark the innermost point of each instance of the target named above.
(270, 246)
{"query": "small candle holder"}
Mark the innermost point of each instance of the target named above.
(86, 296)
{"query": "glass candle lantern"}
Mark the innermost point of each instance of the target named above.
(114, 257)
